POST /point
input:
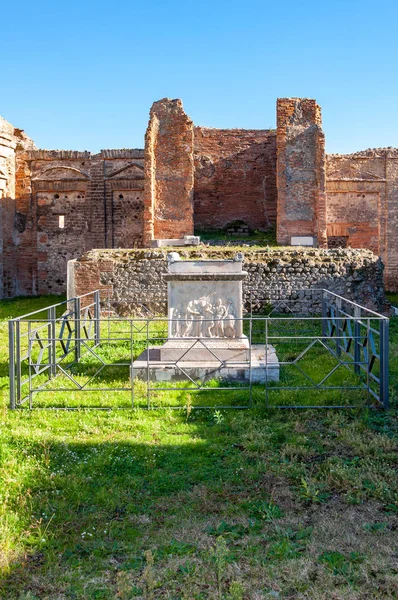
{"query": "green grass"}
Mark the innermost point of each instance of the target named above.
(393, 298)
(196, 504)
(255, 238)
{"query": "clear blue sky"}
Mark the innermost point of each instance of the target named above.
(83, 75)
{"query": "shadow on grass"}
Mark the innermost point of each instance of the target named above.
(92, 509)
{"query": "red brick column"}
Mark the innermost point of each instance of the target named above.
(300, 171)
(26, 248)
(169, 172)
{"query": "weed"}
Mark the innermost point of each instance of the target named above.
(148, 576)
(309, 492)
(236, 591)
(375, 527)
(266, 511)
(224, 529)
(340, 564)
(219, 555)
(188, 406)
(218, 417)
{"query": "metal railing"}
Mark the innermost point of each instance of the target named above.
(339, 355)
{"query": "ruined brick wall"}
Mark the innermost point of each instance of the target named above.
(84, 201)
(17, 268)
(64, 203)
(300, 171)
(362, 204)
(56, 205)
(133, 277)
(7, 248)
(61, 214)
(235, 178)
(169, 167)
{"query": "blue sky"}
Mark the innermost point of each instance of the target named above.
(83, 75)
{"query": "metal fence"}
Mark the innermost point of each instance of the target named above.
(306, 349)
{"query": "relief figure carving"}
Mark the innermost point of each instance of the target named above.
(202, 318)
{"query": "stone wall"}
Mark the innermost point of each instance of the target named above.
(362, 204)
(235, 178)
(131, 277)
(300, 171)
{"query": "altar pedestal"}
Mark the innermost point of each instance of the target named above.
(206, 328)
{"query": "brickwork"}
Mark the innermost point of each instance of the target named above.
(16, 231)
(58, 204)
(235, 178)
(300, 171)
(66, 202)
(168, 198)
(362, 203)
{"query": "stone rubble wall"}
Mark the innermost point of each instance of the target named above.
(134, 277)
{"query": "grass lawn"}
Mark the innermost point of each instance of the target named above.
(255, 238)
(197, 504)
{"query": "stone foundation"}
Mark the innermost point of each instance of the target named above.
(134, 277)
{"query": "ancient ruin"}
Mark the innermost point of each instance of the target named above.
(57, 205)
(206, 337)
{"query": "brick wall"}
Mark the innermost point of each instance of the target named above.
(64, 203)
(300, 171)
(235, 178)
(17, 248)
(186, 175)
(7, 248)
(362, 204)
(168, 197)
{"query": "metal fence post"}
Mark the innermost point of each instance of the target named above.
(18, 359)
(77, 328)
(324, 314)
(11, 348)
(52, 315)
(97, 314)
(357, 335)
(384, 357)
(338, 326)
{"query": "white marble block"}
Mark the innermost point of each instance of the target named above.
(205, 328)
(205, 298)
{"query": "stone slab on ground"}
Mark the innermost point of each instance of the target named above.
(205, 349)
(262, 366)
(187, 240)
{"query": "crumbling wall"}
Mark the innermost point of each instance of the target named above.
(134, 277)
(300, 171)
(7, 248)
(235, 178)
(362, 204)
(17, 255)
(169, 168)
(60, 181)
(215, 177)
(124, 191)
(64, 203)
